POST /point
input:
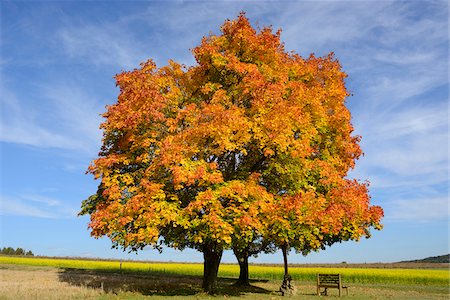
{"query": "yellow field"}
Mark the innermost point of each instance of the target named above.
(350, 275)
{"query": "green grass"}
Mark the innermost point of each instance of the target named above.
(421, 277)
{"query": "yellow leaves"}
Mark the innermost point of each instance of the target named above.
(201, 173)
(210, 87)
(227, 240)
(231, 210)
(251, 142)
(126, 179)
(218, 60)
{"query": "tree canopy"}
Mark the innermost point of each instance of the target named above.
(250, 145)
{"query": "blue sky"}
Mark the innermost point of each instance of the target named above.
(58, 59)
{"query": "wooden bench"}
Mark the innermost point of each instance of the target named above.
(330, 281)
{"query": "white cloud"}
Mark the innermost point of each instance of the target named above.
(118, 44)
(78, 113)
(65, 118)
(18, 208)
(41, 199)
(408, 147)
(418, 209)
(108, 44)
(321, 27)
(18, 125)
(35, 206)
(32, 134)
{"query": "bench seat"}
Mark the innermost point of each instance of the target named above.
(330, 281)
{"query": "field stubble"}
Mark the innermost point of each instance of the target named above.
(39, 283)
(84, 279)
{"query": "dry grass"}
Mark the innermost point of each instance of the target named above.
(40, 283)
(31, 282)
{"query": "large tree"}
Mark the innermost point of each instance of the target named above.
(248, 148)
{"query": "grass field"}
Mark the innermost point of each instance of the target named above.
(44, 278)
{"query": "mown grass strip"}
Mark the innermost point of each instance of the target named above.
(350, 275)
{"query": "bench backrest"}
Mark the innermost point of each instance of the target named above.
(329, 279)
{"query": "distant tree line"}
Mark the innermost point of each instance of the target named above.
(433, 259)
(18, 251)
(436, 259)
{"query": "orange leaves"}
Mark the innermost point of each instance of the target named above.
(351, 210)
(252, 143)
(188, 173)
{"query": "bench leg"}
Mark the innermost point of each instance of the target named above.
(324, 293)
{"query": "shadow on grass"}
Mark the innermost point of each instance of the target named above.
(149, 283)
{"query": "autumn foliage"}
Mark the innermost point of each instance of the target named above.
(252, 144)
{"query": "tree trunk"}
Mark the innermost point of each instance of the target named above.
(212, 257)
(287, 288)
(242, 258)
(284, 249)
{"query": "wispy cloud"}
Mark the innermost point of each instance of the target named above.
(118, 44)
(320, 27)
(407, 57)
(35, 206)
(407, 147)
(77, 111)
(19, 125)
(100, 45)
(48, 201)
(423, 209)
(19, 208)
(66, 119)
